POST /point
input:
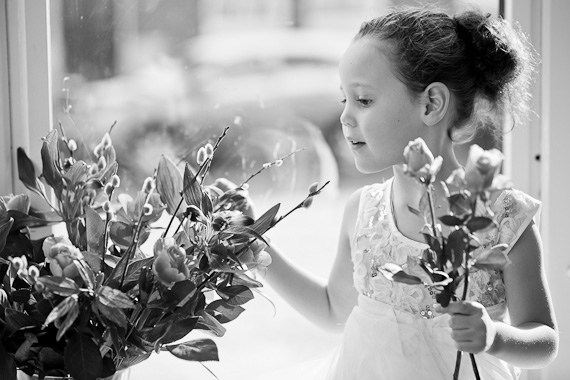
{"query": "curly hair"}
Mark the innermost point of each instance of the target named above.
(485, 62)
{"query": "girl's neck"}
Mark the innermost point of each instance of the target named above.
(407, 191)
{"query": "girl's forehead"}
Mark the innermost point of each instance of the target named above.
(365, 62)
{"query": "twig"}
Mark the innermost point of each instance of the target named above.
(268, 165)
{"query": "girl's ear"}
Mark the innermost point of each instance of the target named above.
(436, 99)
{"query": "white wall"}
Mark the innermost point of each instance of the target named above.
(5, 139)
(555, 176)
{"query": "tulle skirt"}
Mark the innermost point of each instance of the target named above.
(380, 342)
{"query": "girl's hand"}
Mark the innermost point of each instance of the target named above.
(472, 328)
(225, 184)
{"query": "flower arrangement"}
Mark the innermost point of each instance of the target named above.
(90, 302)
(450, 257)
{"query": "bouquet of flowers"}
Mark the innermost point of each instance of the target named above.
(90, 302)
(450, 257)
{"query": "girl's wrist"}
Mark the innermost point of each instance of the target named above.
(493, 340)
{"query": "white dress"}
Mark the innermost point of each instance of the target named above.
(394, 333)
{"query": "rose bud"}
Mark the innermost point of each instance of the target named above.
(419, 161)
(481, 167)
(417, 155)
(169, 264)
(60, 258)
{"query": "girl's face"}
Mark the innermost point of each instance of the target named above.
(379, 117)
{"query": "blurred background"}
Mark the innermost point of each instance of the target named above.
(165, 77)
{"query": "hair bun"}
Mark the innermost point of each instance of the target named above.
(492, 56)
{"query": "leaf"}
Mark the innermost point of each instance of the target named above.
(114, 298)
(179, 330)
(243, 279)
(7, 364)
(479, 223)
(82, 358)
(95, 230)
(493, 258)
(438, 277)
(16, 320)
(22, 220)
(265, 221)
(114, 315)
(181, 291)
(450, 220)
(394, 272)
(443, 298)
(93, 259)
(454, 250)
(195, 350)
(85, 272)
(434, 243)
(459, 205)
(169, 184)
(5, 226)
(21, 295)
(192, 190)
(208, 322)
(242, 230)
(62, 286)
(71, 316)
(50, 160)
(27, 171)
(61, 309)
(226, 313)
(236, 295)
(121, 233)
(76, 175)
(24, 353)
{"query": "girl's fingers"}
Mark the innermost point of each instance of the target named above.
(460, 307)
(224, 184)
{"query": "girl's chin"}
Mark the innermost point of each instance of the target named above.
(369, 169)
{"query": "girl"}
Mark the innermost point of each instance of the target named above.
(418, 73)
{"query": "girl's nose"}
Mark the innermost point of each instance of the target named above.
(346, 120)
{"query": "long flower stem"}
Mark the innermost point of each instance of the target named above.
(458, 360)
(135, 242)
(432, 210)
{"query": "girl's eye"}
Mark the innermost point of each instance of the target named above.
(343, 101)
(364, 102)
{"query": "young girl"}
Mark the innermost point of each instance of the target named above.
(418, 73)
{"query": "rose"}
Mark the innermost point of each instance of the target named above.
(419, 161)
(60, 254)
(256, 258)
(169, 264)
(481, 167)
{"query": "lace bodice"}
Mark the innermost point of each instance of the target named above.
(377, 240)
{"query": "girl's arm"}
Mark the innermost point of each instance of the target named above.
(325, 303)
(531, 338)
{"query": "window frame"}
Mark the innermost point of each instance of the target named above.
(26, 116)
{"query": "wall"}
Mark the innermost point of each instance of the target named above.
(555, 159)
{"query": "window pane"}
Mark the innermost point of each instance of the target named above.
(169, 75)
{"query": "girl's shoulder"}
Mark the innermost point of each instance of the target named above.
(364, 197)
(514, 210)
